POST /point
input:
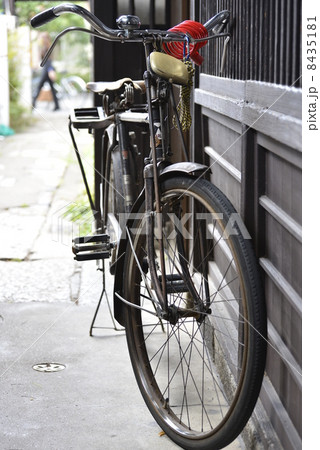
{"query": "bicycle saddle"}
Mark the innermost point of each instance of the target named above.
(169, 68)
(101, 87)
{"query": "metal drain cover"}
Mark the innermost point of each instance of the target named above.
(49, 367)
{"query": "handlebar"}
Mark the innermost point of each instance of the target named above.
(43, 17)
(215, 24)
(52, 13)
(106, 32)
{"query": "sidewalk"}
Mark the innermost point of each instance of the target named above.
(47, 301)
(47, 304)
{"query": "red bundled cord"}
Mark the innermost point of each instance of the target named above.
(180, 49)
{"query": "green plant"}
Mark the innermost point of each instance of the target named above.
(75, 44)
(80, 214)
(19, 115)
(26, 10)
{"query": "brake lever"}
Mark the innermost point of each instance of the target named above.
(67, 30)
(52, 46)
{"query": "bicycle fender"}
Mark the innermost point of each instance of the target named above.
(190, 168)
(119, 306)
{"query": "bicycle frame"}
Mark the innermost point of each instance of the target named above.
(157, 166)
(159, 94)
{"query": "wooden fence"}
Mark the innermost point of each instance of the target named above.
(248, 127)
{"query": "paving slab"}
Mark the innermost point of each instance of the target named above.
(37, 281)
(20, 228)
(32, 161)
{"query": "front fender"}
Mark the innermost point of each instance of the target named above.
(189, 168)
(118, 269)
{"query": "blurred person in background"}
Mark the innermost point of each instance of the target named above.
(48, 74)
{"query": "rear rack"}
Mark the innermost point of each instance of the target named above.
(90, 118)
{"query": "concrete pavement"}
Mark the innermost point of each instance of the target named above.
(93, 403)
(47, 301)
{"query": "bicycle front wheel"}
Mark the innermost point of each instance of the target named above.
(199, 367)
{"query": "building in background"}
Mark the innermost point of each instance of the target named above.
(7, 22)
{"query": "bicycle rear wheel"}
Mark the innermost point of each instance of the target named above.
(199, 369)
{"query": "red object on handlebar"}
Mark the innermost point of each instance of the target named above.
(179, 49)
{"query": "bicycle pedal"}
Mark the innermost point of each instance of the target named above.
(94, 247)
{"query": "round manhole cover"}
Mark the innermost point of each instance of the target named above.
(49, 367)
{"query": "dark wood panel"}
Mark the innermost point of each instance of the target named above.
(280, 149)
(279, 419)
(216, 158)
(282, 284)
(282, 217)
(271, 109)
(265, 41)
(227, 184)
(284, 185)
(284, 252)
(285, 320)
(286, 387)
(226, 142)
(262, 176)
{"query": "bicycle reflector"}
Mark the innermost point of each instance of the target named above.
(182, 50)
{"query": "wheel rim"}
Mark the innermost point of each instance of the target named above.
(190, 372)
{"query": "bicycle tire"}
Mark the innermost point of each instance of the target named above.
(201, 376)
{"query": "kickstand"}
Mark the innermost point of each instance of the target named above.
(104, 292)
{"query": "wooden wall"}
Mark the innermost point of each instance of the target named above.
(251, 137)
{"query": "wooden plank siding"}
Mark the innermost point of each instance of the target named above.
(271, 194)
(247, 127)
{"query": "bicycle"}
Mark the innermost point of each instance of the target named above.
(186, 286)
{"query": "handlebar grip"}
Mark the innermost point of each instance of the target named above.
(219, 21)
(43, 17)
